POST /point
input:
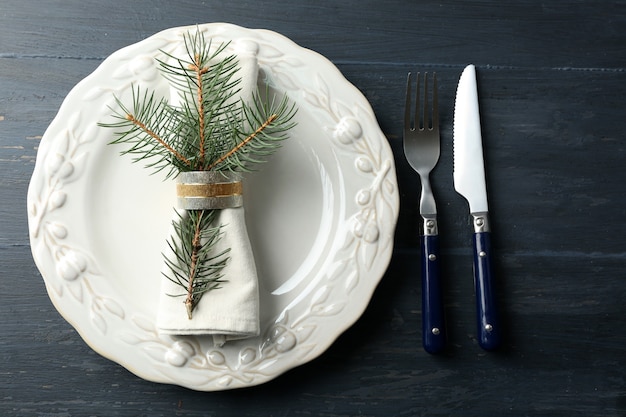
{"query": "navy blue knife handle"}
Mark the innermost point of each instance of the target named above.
(433, 322)
(487, 316)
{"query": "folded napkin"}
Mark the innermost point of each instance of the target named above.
(232, 311)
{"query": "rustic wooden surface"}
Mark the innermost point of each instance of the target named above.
(552, 81)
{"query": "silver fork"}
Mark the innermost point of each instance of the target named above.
(422, 149)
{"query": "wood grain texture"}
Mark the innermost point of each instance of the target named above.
(552, 81)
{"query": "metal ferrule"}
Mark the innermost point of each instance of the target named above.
(480, 221)
(429, 225)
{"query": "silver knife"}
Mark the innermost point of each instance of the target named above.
(469, 181)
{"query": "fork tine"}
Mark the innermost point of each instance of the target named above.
(407, 104)
(417, 103)
(435, 103)
(426, 111)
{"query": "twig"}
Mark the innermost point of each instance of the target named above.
(199, 72)
(196, 246)
(244, 142)
(156, 137)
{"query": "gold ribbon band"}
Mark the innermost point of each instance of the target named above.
(209, 190)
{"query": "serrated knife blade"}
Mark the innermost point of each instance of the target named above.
(469, 171)
(469, 181)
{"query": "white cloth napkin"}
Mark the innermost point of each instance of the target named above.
(232, 311)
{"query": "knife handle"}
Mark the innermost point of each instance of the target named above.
(433, 321)
(487, 317)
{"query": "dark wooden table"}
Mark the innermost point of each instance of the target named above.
(552, 82)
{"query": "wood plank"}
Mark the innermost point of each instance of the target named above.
(552, 81)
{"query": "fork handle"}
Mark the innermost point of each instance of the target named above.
(433, 321)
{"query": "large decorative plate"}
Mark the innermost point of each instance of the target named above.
(321, 217)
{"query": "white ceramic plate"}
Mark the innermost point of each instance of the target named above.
(321, 217)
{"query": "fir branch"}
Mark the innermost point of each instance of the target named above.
(200, 71)
(156, 137)
(149, 127)
(243, 143)
(207, 85)
(273, 121)
(194, 266)
(196, 246)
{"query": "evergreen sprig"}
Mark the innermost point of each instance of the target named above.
(196, 267)
(210, 129)
(206, 128)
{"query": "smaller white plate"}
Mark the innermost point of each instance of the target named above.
(321, 217)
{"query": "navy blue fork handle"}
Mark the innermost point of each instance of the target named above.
(433, 318)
